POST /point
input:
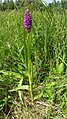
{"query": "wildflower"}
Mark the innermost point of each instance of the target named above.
(27, 20)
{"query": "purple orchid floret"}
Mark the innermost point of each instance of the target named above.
(27, 20)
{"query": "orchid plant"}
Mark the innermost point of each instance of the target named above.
(27, 49)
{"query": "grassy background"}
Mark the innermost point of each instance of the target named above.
(49, 58)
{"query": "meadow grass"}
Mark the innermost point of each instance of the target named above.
(49, 59)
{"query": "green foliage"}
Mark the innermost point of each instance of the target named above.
(46, 52)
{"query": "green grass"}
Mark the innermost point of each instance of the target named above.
(49, 59)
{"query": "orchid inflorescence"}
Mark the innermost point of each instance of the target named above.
(27, 20)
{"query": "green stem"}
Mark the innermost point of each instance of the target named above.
(25, 52)
(30, 69)
(30, 83)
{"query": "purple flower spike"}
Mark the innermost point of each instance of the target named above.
(27, 20)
